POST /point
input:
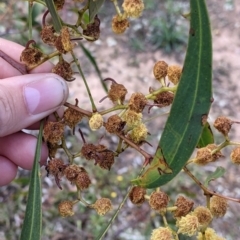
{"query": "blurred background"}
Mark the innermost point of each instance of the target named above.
(160, 34)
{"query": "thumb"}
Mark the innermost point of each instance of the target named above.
(27, 99)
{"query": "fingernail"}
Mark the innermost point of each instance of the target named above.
(45, 94)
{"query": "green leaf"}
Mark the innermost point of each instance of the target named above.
(219, 172)
(192, 102)
(94, 6)
(95, 65)
(32, 225)
(206, 136)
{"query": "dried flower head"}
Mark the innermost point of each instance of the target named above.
(65, 209)
(31, 57)
(52, 149)
(82, 181)
(59, 4)
(48, 35)
(132, 118)
(139, 133)
(204, 156)
(114, 124)
(137, 102)
(63, 69)
(162, 233)
(218, 206)
(88, 151)
(53, 132)
(217, 154)
(72, 117)
(164, 99)
(117, 93)
(210, 234)
(137, 195)
(71, 172)
(184, 206)
(119, 24)
(160, 70)
(158, 201)
(235, 155)
(63, 42)
(223, 125)
(102, 206)
(55, 167)
(133, 8)
(93, 30)
(174, 74)
(104, 157)
(188, 225)
(95, 121)
(204, 216)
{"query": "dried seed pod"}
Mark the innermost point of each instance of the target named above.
(223, 125)
(204, 216)
(137, 102)
(133, 8)
(31, 57)
(104, 157)
(160, 70)
(119, 24)
(204, 156)
(53, 132)
(71, 172)
(93, 30)
(132, 118)
(114, 124)
(102, 206)
(184, 206)
(88, 151)
(218, 206)
(162, 233)
(64, 70)
(159, 201)
(48, 35)
(188, 225)
(55, 167)
(82, 181)
(137, 194)
(174, 74)
(63, 42)
(217, 154)
(72, 117)
(95, 121)
(164, 99)
(117, 93)
(59, 4)
(65, 209)
(139, 133)
(235, 155)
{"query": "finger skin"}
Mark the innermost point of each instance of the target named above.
(20, 149)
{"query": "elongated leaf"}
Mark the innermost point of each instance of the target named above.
(94, 6)
(32, 225)
(219, 172)
(192, 102)
(206, 136)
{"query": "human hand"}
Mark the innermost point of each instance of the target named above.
(24, 101)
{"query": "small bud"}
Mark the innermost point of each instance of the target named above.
(184, 206)
(95, 121)
(82, 181)
(63, 42)
(235, 155)
(223, 125)
(114, 124)
(174, 74)
(160, 70)
(218, 206)
(133, 8)
(132, 118)
(210, 234)
(204, 156)
(48, 35)
(93, 30)
(65, 209)
(139, 133)
(217, 154)
(71, 172)
(188, 225)
(162, 233)
(72, 117)
(102, 206)
(88, 151)
(119, 24)
(55, 167)
(59, 4)
(137, 195)
(117, 93)
(204, 216)
(137, 102)
(164, 99)
(53, 132)
(158, 201)
(31, 57)
(63, 69)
